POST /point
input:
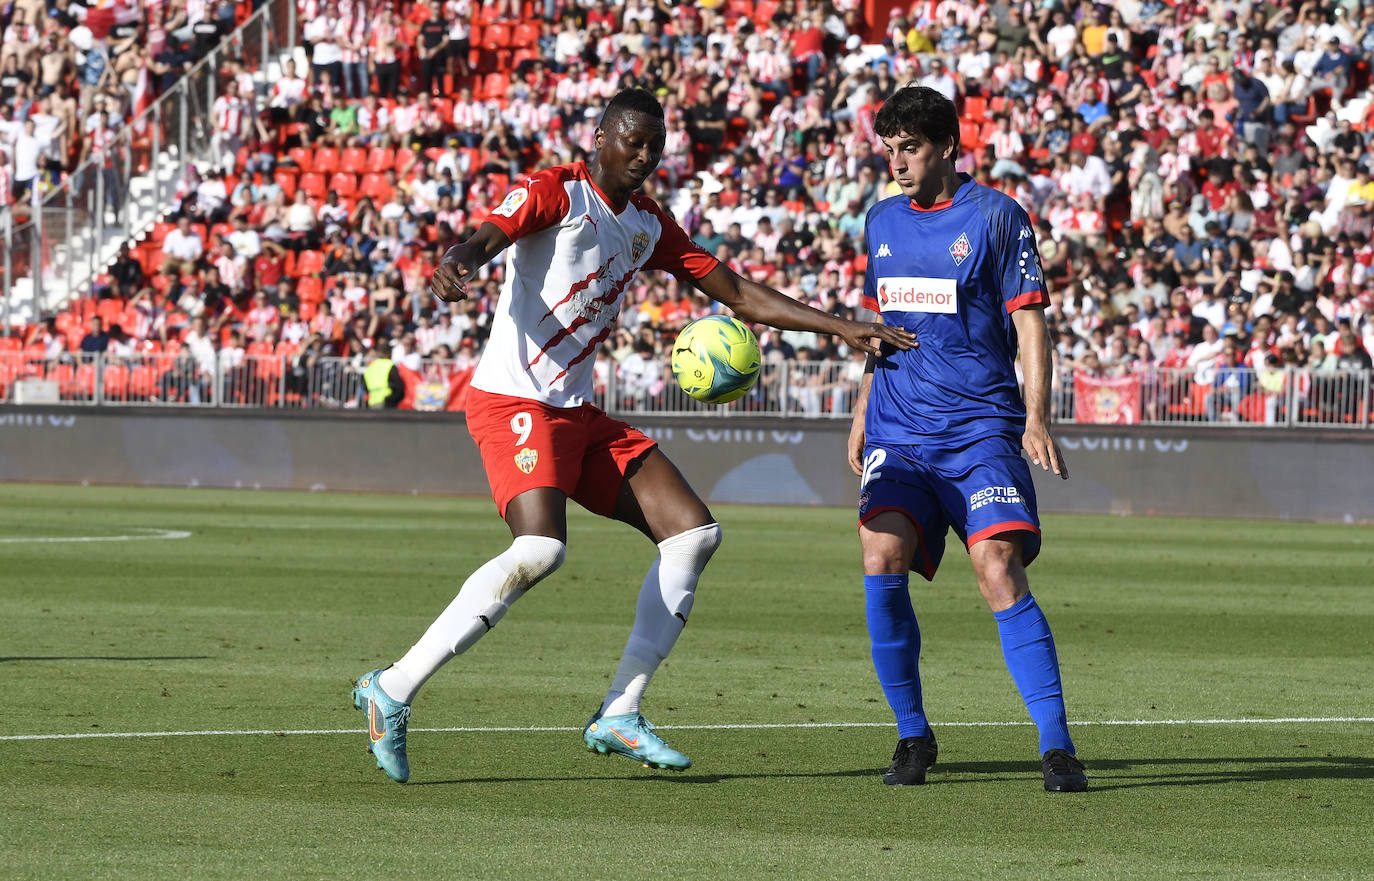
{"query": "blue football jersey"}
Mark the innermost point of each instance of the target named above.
(951, 274)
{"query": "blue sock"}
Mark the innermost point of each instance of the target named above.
(1028, 648)
(896, 642)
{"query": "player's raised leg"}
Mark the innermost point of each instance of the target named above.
(656, 500)
(890, 543)
(537, 519)
(1028, 647)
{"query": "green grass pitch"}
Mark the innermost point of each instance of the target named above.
(261, 618)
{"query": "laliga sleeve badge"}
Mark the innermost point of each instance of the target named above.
(526, 459)
(514, 199)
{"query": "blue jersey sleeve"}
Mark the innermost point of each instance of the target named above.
(1023, 278)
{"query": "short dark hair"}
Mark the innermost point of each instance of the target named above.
(921, 112)
(632, 100)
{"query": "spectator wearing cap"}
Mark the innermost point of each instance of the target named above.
(1332, 71)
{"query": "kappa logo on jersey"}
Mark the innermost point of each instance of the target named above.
(526, 459)
(884, 250)
(514, 199)
(638, 246)
(960, 249)
(1025, 234)
(917, 294)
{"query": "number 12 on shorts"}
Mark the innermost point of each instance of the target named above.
(871, 463)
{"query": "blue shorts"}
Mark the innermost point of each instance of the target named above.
(979, 490)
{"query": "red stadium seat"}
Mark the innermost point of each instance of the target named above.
(497, 36)
(326, 160)
(287, 181)
(975, 108)
(526, 35)
(353, 160)
(375, 186)
(344, 184)
(309, 263)
(142, 381)
(968, 136)
(313, 184)
(310, 290)
(110, 312)
(116, 382)
(380, 159)
(302, 157)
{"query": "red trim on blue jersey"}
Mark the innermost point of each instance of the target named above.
(938, 206)
(1029, 298)
(1004, 526)
(872, 305)
(928, 573)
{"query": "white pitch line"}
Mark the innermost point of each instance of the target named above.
(153, 535)
(502, 729)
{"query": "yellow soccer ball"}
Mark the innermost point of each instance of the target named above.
(716, 359)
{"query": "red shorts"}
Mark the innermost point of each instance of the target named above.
(527, 445)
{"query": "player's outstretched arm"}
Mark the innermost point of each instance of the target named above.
(757, 303)
(465, 258)
(857, 435)
(1034, 336)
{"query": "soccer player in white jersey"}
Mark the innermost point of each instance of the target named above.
(578, 234)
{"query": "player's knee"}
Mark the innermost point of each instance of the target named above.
(691, 550)
(885, 561)
(530, 559)
(688, 552)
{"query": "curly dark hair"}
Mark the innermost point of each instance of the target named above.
(632, 100)
(920, 112)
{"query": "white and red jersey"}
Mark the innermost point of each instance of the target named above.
(228, 113)
(572, 259)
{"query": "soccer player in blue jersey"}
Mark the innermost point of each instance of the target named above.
(938, 430)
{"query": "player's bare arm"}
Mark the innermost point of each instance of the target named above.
(1034, 336)
(763, 305)
(465, 258)
(857, 437)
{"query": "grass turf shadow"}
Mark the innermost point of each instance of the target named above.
(1261, 769)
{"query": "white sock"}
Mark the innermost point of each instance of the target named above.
(483, 600)
(664, 603)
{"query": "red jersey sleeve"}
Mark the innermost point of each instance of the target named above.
(675, 252)
(536, 203)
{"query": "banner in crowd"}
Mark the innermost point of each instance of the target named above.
(1106, 401)
(439, 391)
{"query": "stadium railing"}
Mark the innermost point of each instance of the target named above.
(74, 230)
(1296, 398)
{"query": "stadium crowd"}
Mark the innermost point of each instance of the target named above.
(1199, 175)
(72, 74)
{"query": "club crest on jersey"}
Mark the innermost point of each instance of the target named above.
(960, 249)
(639, 246)
(526, 459)
(514, 199)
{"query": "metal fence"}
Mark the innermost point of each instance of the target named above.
(814, 389)
(71, 233)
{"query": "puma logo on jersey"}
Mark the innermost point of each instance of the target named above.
(884, 250)
(589, 219)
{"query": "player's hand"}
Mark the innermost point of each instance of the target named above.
(869, 337)
(1042, 449)
(449, 282)
(856, 448)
